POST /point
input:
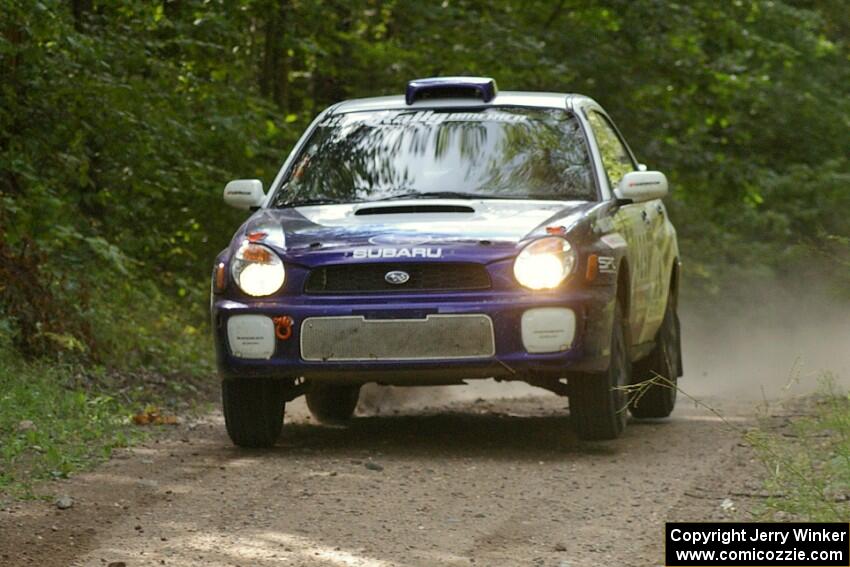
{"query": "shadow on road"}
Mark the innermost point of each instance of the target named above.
(451, 434)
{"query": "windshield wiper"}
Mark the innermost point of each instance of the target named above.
(445, 195)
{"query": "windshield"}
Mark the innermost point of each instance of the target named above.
(499, 152)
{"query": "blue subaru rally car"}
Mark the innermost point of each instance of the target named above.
(449, 234)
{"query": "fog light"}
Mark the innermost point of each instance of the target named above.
(548, 329)
(251, 336)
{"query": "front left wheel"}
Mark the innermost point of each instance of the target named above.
(598, 401)
(253, 411)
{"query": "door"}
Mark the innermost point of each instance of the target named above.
(659, 241)
(633, 221)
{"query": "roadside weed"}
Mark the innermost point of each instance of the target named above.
(48, 430)
(807, 458)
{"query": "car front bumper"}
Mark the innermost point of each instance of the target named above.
(508, 358)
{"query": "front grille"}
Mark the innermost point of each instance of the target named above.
(435, 337)
(365, 278)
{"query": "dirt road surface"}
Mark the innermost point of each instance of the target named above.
(495, 481)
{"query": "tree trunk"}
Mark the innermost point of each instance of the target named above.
(274, 74)
(80, 9)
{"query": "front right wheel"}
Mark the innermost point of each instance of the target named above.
(598, 401)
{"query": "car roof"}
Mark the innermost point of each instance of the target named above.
(503, 98)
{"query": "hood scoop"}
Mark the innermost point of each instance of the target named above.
(413, 209)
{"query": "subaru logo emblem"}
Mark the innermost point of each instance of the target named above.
(397, 277)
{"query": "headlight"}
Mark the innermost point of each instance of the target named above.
(257, 270)
(545, 263)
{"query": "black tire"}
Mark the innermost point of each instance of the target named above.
(332, 403)
(253, 411)
(598, 401)
(659, 398)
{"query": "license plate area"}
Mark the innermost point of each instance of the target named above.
(434, 337)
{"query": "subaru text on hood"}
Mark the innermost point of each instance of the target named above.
(453, 233)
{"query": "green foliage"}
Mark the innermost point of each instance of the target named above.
(808, 467)
(135, 325)
(114, 144)
(49, 430)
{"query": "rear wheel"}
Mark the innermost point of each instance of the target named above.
(253, 411)
(598, 401)
(332, 403)
(661, 369)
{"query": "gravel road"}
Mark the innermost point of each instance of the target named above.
(443, 481)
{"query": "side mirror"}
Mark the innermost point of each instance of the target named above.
(244, 193)
(637, 186)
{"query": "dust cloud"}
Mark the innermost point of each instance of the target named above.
(776, 345)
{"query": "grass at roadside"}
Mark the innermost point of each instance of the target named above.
(59, 418)
(49, 429)
(807, 459)
(81, 352)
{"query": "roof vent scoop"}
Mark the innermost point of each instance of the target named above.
(483, 88)
(409, 209)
